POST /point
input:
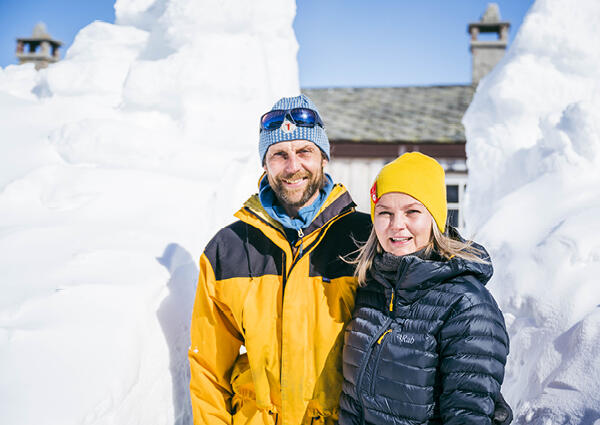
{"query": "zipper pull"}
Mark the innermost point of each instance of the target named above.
(300, 235)
(392, 302)
(382, 336)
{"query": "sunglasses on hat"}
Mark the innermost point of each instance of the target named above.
(302, 117)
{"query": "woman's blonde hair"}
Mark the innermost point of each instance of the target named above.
(445, 246)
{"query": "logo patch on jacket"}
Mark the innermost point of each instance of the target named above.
(407, 339)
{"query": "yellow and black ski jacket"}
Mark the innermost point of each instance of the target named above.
(287, 305)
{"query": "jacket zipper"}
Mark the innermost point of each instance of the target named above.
(301, 236)
(319, 236)
(374, 344)
(377, 357)
(300, 232)
(379, 346)
(368, 354)
(383, 336)
(283, 273)
(286, 273)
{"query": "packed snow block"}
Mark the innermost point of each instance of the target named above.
(533, 146)
(18, 80)
(132, 140)
(117, 164)
(98, 61)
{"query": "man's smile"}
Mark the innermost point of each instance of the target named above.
(295, 182)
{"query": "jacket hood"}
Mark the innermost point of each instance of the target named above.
(412, 275)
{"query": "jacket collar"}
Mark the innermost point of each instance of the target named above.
(336, 203)
(306, 215)
(412, 275)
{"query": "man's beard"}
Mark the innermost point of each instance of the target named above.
(285, 196)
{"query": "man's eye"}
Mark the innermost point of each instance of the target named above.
(384, 213)
(413, 212)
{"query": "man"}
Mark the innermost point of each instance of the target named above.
(275, 282)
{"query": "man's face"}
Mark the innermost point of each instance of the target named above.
(295, 172)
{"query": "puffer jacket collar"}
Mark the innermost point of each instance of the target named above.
(410, 276)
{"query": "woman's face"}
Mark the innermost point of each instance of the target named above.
(402, 224)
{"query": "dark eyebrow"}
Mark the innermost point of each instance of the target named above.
(380, 206)
(274, 151)
(411, 205)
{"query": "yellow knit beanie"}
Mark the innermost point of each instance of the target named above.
(419, 176)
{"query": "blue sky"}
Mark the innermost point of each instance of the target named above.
(342, 42)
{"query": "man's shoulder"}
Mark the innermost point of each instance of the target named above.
(356, 223)
(242, 250)
(226, 248)
(231, 234)
(238, 238)
(360, 217)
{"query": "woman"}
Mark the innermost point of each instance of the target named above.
(427, 343)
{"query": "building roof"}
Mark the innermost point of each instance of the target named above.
(426, 114)
(39, 34)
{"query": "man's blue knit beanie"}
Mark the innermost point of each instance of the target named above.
(315, 134)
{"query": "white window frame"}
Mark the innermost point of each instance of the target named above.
(460, 180)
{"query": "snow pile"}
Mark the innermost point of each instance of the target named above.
(117, 165)
(533, 134)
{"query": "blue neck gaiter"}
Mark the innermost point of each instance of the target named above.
(269, 201)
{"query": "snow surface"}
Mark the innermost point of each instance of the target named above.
(533, 146)
(120, 162)
(117, 165)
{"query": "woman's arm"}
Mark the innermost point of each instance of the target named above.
(473, 350)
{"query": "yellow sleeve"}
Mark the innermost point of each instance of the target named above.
(215, 345)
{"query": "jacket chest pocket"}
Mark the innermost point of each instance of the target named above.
(404, 361)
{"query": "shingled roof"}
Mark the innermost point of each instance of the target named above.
(427, 114)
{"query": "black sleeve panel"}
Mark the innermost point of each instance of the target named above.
(240, 250)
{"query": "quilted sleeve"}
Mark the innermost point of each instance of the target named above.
(473, 350)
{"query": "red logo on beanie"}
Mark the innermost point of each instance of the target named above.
(287, 126)
(374, 197)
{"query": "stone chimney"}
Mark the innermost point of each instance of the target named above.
(40, 48)
(486, 54)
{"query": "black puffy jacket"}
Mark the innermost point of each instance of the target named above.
(427, 344)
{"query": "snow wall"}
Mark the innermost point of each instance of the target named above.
(117, 165)
(533, 147)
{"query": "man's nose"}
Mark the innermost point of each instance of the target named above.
(292, 164)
